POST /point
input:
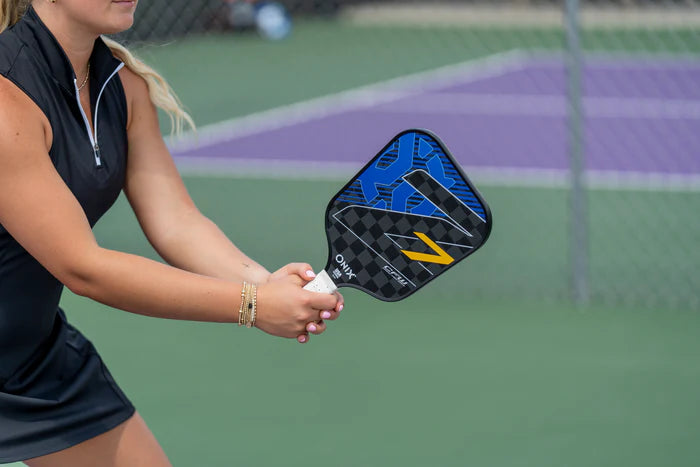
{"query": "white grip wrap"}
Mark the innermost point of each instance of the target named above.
(322, 283)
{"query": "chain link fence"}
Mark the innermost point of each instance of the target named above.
(160, 20)
(583, 129)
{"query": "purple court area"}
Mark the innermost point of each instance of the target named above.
(641, 116)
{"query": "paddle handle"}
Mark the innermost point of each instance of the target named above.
(322, 283)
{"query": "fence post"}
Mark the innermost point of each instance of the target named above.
(578, 225)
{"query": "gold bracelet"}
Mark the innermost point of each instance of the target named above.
(248, 300)
(248, 304)
(244, 306)
(253, 305)
(248, 309)
(240, 308)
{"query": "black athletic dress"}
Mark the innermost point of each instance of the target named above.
(55, 391)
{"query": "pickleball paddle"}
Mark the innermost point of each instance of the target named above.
(408, 216)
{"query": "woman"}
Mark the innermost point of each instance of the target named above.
(77, 127)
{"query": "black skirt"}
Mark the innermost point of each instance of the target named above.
(62, 396)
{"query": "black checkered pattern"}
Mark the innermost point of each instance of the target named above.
(371, 239)
(449, 204)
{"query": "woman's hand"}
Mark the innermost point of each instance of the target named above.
(299, 274)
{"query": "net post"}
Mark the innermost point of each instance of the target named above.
(578, 209)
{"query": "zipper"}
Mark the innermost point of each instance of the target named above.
(91, 136)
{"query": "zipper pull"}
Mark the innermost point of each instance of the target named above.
(98, 157)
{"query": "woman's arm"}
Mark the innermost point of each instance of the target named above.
(41, 213)
(172, 223)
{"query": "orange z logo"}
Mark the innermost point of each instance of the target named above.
(440, 256)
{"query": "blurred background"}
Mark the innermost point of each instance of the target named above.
(571, 338)
(517, 89)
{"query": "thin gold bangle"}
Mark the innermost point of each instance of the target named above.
(243, 306)
(252, 306)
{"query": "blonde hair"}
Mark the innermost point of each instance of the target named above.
(162, 95)
(11, 11)
(160, 92)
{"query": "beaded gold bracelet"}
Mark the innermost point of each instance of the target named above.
(243, 307)
(248, 310)
(252, 305)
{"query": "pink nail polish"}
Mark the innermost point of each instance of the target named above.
(326, 314)
(341, 308)
(310, 273)
(302, 339)
(312, 328)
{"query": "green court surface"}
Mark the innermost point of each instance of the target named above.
(441, 378)
(488, 366)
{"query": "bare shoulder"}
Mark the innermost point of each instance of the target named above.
(138, 100)
(20, 116)
(135, 86)
(15, 101)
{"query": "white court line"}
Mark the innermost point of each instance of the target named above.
(593, 179)
(481, 176)
(614, 180)
(616, 59)
(274, 169)
(456, 103)
(353, 99)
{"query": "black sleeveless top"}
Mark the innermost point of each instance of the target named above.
(55, 391)
(92, 165)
